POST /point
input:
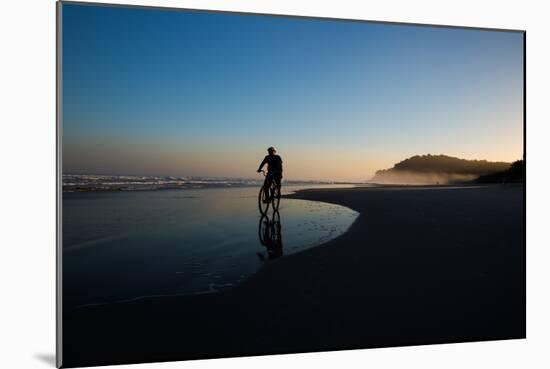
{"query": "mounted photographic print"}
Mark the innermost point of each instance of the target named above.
(234, 184)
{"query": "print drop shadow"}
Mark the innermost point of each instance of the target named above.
(48, 359)
(270, 236)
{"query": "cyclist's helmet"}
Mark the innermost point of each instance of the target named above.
(271, 150)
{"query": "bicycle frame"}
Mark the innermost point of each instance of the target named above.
(269, 189)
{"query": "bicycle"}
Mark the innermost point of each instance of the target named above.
(270, 194)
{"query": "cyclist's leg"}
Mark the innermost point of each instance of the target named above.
(270, 181)
(278, 178)
(265, 190)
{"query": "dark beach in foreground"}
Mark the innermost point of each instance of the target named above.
(420, 265)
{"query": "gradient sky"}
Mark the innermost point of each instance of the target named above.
(155, 92)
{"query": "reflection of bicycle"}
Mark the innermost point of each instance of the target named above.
(269, 233)
(270, 194)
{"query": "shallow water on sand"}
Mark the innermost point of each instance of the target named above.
(120, 246)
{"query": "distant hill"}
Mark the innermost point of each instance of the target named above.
(437, 169)
(515, 173)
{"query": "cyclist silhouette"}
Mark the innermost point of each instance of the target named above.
(274, 167)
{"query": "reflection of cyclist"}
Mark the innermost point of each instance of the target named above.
(274, 167)
(271, 236)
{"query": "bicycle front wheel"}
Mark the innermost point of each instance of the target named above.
(264, 231)
(263, 200)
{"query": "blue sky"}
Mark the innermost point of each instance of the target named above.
(149, 91)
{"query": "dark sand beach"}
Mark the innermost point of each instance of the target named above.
(420, 265)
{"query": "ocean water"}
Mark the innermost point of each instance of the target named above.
(119, 246)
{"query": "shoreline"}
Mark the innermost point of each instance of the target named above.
(419, 265)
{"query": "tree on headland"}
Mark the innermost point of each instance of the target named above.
(515, 173)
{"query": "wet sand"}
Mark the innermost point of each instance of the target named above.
(420, 265)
